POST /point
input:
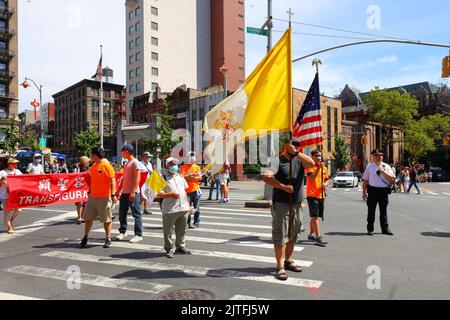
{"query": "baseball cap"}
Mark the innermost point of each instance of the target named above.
(129, 148)
(377, 152)
(12, 160)
(36, 155)
(84, 160)
(147, 154)
(171, 159)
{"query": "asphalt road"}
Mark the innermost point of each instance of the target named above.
(233, 255)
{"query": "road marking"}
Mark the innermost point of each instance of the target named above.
(227, 213)
(434, 193)
(38, 225)
(235, 210)
(428, 197)
(446, 193)
(241, 297)
(347, 190)
(227, 242)
(190, 270)
(220, 224)
(9, 296)
(42, 209)
(205, 253)
(92, 280)
(204, 216)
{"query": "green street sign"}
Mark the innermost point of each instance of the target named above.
(48, 136)
(42, 143)
(257, 31)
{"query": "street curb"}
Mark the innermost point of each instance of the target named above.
(264, 204)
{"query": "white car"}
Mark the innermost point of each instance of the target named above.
(346, 179)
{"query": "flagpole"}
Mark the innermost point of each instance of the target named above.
(100, 111)
(291, 120)
(317, 62)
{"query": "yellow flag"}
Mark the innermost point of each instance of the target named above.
(156, 182)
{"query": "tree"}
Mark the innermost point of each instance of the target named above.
(87, 140)
(29, 139)
(161, 146)
(340, 155)
(12, 138)
(390, 108)
(422, 136)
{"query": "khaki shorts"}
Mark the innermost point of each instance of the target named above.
(8, 215)
(280, 222)
(100, 209)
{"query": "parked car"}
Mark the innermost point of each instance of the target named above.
(439, 175)
(346, 179)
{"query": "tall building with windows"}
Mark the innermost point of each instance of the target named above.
(9, 88)
(183, 42)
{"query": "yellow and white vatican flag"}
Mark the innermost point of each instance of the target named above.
(154, 185)
(263, 103)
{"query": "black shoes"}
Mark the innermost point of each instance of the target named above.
(320, 242)
(388, 232)
(370, 233)
(108, 243)
(183, 251)
(84, 242)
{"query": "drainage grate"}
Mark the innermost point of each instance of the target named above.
(186, 294)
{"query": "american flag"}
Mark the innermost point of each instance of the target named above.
(308, 126)
(99, 74)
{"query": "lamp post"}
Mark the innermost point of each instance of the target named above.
(25, 85)
(224, 70)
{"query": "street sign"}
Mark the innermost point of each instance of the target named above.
(48, 136)
(257, 31)
(42, 143)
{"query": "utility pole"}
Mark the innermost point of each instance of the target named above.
(100, 111)
(269, 25)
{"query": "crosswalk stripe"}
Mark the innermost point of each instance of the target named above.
(214, 209)
(10, 296)
(206, 216)
(219, 231)
(252, 244)
(241, 297)
(190, 270)
(220, 224)
(446, 193)
(89, 279)
(222, 213)
(205, 253)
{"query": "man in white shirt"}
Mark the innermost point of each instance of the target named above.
(375, 190)
(36, 166)
(175, 208)
(11, 170)
(146, 166)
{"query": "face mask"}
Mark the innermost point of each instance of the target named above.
(192, 160)
(174, 169)
(319, 159)
(38, 160)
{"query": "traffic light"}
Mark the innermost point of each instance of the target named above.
(364, 140)
(446, 141)
(446, 67)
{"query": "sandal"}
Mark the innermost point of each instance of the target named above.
(291, 266)
(281, 275)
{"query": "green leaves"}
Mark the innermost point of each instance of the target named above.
(340, 155)
(12, 141)
(87, 140)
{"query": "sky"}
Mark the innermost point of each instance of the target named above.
(59, 41)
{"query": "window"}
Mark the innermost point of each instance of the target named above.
(138, 72)
(336, 122)
(2, 66)
(130, 15)
(154, 11)
(130, 30)
(2, 45)
(154, 86)
(95, 103)
(130, 44)
(138, 86)
(2, 24)
(155, 56)
(131, 74)
(154, 41)
(155, 72)
(3, 89)
(138, 42)
(131, 89)
(95, 115)
(130, 59)
(138, 56)
(137, 27)
(95, 92)
(130, 104)
(137, 12)
(154, 26)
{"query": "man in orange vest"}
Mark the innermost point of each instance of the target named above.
(192, 173)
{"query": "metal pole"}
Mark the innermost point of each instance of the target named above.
(100, 122)
(269, 25)
(40, 101)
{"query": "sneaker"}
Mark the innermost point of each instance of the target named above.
(209, 199)
(190, 226)
(84, 242)
(183, 251)
(146, 212)
(311, 237)
(388, 232)
(320, 242)
(196, 225)
(169, 254)
(370, 233)
(121, 236)
(136, 239)
(108, 243)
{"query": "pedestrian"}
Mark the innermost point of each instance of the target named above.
(63, 167)
(394, 181)
(36, 167)
(215, 184)
(81, 206)
(224, 178)
(376, 185)
(130, 196)
(317, 183)
(193, 176)
(287, 190)
(146, 166)
(102, 189)
(413, 180)
(9, 215)
(175, 209)
(430, 176)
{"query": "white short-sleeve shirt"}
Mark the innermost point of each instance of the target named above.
(4, 189)
(177, 184)
(374, 179)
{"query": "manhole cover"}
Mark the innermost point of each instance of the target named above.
(186, 294)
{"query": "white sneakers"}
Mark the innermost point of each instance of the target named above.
(136, 239)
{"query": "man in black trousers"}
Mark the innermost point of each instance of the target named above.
(375, 190)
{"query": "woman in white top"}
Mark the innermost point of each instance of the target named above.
(11, 170)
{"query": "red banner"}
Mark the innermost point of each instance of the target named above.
(27, 191)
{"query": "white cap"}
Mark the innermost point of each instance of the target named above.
(37, 155)
(171, 159)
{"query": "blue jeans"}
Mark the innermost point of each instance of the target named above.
(194, 200)
(411, 184)
(125, 204)
(214, 184)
